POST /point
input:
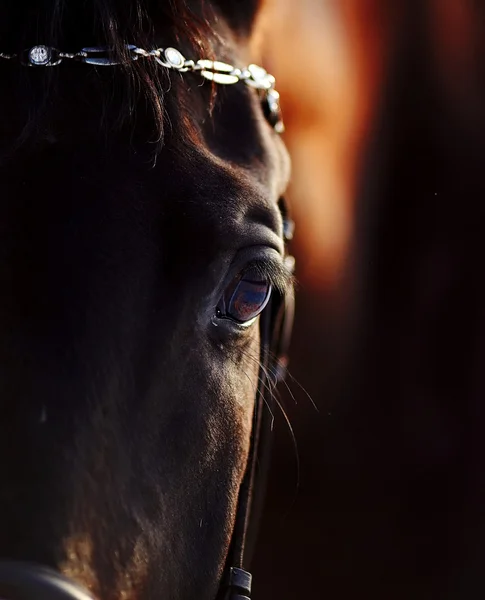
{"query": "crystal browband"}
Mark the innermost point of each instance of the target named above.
(170, 58)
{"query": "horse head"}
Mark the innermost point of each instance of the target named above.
(142, 260)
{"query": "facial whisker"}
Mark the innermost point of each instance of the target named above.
(263, 383)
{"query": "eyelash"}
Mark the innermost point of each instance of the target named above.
(278, 274)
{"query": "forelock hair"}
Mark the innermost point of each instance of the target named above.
(70, 25)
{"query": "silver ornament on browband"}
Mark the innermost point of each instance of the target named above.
(40, 55)
(170, 58)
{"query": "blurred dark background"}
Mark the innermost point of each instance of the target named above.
(384, 104)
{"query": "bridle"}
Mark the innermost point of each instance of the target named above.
(170, 58)
(24, 581)
(276, 324)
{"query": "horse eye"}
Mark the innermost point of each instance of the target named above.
(245, 298)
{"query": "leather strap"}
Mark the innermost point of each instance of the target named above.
(275, 332)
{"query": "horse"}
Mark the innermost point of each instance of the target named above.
(145, 280)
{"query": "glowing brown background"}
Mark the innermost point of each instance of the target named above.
(385, 110)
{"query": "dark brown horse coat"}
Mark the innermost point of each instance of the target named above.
(131, 199)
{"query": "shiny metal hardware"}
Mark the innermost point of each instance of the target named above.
(213, 70)
(275, 116)
(40, 56)
(238, 585)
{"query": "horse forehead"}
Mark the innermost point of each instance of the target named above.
(223, 197)
(240, 177)
(236, 142)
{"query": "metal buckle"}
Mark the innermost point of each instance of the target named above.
(238, 584)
